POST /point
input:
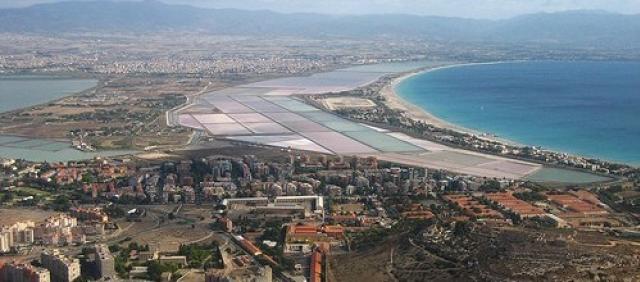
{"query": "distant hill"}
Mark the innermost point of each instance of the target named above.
(583, 28)
(575, 28)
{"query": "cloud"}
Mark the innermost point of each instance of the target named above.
(453, 8)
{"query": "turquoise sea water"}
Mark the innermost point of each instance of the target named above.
(586, 108)
(22, 91)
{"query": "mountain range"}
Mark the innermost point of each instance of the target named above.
(583, 28)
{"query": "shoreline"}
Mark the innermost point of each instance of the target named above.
(394, 101)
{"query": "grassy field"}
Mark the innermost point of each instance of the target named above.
(29, 191)
(18, 193)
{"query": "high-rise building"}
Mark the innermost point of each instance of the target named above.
(19, 233)
(23, 236)
(104, 262)
(61, 267)
(6, 241)
(23, 273)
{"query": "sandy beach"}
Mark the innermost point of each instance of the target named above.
(394, 101)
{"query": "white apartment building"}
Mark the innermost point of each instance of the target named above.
(61, 267)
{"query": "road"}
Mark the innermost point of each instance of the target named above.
(172, 114)
(389, 266)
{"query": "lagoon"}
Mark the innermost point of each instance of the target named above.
(21, 91)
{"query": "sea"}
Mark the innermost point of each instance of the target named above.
(588, 108)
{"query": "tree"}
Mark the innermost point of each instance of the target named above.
(36, 263)
(120, 266)
(155, 269)
(115, 211)
(461, 228)
(491, 185)
(8, 197)
(114, 248)
(530, 196)
(133, 246)
(88, 178)
(61, 203)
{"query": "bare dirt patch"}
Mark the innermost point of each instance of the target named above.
(368, 265)
(334, 103)
(10, 216)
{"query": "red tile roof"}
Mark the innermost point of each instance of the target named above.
(316, 266)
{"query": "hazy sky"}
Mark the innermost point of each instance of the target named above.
(456, 8)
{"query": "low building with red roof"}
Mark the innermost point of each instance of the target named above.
(315, 268)
(301, 238)
(510, 203)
